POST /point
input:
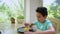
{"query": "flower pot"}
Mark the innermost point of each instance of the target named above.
(20, 21)
(12, 20)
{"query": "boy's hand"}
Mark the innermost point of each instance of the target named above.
(28, 24)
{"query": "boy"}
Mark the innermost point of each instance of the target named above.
(43, 25)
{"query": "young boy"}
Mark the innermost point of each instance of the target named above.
(43, 25)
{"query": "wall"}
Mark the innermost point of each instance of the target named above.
(33, 5)
(30, 7)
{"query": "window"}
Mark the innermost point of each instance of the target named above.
(11, 8)
(53, 8)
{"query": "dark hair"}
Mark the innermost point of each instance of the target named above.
(42, 10)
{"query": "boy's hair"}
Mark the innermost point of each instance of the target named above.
(42, 10)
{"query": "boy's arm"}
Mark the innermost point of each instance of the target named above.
(49, 31)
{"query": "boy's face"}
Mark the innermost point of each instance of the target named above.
(40, 18)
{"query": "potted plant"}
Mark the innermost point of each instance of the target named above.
(20, 19)
(12, 20)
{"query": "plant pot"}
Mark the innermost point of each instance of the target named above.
(20, 21)
(12, 20)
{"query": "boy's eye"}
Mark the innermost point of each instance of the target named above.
(38, 17)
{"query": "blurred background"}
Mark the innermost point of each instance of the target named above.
(13, 13)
